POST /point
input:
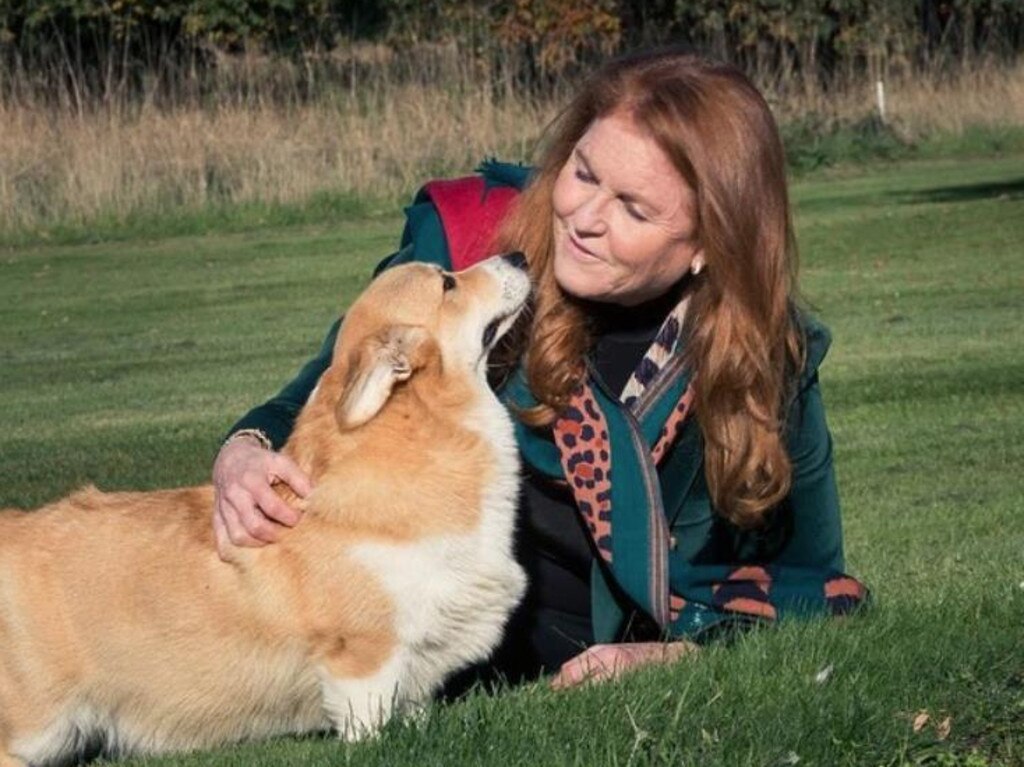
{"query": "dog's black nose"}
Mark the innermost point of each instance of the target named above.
(516, 259)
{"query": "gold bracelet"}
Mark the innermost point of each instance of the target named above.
(257, 434)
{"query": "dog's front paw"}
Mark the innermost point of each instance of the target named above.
(360, 717)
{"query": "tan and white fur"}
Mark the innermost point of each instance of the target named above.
(119, 623)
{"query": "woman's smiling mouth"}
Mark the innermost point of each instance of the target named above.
(578, 251)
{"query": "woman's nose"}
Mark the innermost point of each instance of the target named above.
(588, 220)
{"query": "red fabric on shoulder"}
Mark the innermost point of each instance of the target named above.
(470, 213)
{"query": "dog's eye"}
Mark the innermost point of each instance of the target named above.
(449, 282)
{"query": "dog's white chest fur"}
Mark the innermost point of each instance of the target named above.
(453, 593)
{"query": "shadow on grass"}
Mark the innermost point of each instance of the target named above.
(1002, 190)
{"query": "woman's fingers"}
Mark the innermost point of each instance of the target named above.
(226, 545)
(274, 510)
(285, 469)
(602, 662)
(230, 518)
(220, 535)
(589, 665)
(249, 511)
(244, 506)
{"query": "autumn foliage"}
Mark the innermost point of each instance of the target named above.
(89, 51)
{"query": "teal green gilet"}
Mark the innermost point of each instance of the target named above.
(669, 546)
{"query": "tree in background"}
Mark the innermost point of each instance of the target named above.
(95, 51)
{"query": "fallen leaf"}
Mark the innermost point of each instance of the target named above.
(920, 720)
(823, 676)
(942, 728)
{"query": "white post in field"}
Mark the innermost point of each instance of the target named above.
(880, 98)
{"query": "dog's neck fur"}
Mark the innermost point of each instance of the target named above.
(424, 424)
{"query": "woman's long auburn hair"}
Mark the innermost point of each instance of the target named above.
(740, 337)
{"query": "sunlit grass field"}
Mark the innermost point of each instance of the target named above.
(125, 360)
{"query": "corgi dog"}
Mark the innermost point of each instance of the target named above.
(120, 625)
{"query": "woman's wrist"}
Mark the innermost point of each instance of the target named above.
(255, 436)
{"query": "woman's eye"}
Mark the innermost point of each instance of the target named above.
(584, 176)
(448, 282)
(634, 212)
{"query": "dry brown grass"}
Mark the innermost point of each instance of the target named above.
(917, 104)
(382, 139)
(60, 166)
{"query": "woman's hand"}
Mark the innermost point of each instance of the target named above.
(246, 510)
(608, 661)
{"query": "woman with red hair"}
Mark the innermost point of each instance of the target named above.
(679, 478)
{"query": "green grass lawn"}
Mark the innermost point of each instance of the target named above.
(124, 362)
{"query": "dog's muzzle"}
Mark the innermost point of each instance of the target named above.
(516, 259)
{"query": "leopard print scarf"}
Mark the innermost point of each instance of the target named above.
(581, 432)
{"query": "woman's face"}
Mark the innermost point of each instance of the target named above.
(623, 217)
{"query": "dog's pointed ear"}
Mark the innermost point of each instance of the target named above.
(376, 366)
